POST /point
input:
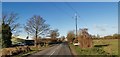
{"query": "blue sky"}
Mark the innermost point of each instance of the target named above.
(61, 0)
(0, 12)
(99, 17)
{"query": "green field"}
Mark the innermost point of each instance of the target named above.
(108, 45)
(100, 47)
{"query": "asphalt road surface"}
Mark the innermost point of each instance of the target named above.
(58, 50)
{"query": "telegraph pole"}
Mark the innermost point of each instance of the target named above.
(76, 24)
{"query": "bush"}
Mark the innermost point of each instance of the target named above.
(14, 50)
(6, 36)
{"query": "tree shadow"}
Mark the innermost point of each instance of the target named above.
(104, 45)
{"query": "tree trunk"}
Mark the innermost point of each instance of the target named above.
(35, 39)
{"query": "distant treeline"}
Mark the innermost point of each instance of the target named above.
(114, 36)
(104, 38)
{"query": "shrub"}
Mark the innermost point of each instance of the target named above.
(14, 50)
(6, 36)
(85, 39)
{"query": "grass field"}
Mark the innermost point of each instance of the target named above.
(101, 47)
(108, 45)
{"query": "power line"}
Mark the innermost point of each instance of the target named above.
(76, 13)
(72, 8)
(60, 9)
(76, 16)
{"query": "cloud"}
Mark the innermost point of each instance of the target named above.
(104, 27)
(114, 27)
(100, 27)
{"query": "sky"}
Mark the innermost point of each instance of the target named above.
(0, 12)
(60, 0)
(99, 17)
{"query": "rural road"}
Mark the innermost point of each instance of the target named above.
(58, 50)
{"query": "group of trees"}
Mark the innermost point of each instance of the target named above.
(53, 33)
(114, 36)
(71, 36)
(83, 38)
(35, 26)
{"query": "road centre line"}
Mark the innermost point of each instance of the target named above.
(54, 51)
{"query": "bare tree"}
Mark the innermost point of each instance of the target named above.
(11, 19)
(38, 39)
(36, 26)
(54, 33)
(71, 36)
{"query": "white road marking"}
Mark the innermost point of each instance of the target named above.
(55, 50)
(52, 53)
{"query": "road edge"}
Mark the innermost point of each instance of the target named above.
(72, 51)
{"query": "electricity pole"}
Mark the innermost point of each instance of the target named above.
(76, 24)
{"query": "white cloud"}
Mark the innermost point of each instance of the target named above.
(104, 27)
(100, 27)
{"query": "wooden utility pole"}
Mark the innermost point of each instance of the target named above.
(76, 24)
